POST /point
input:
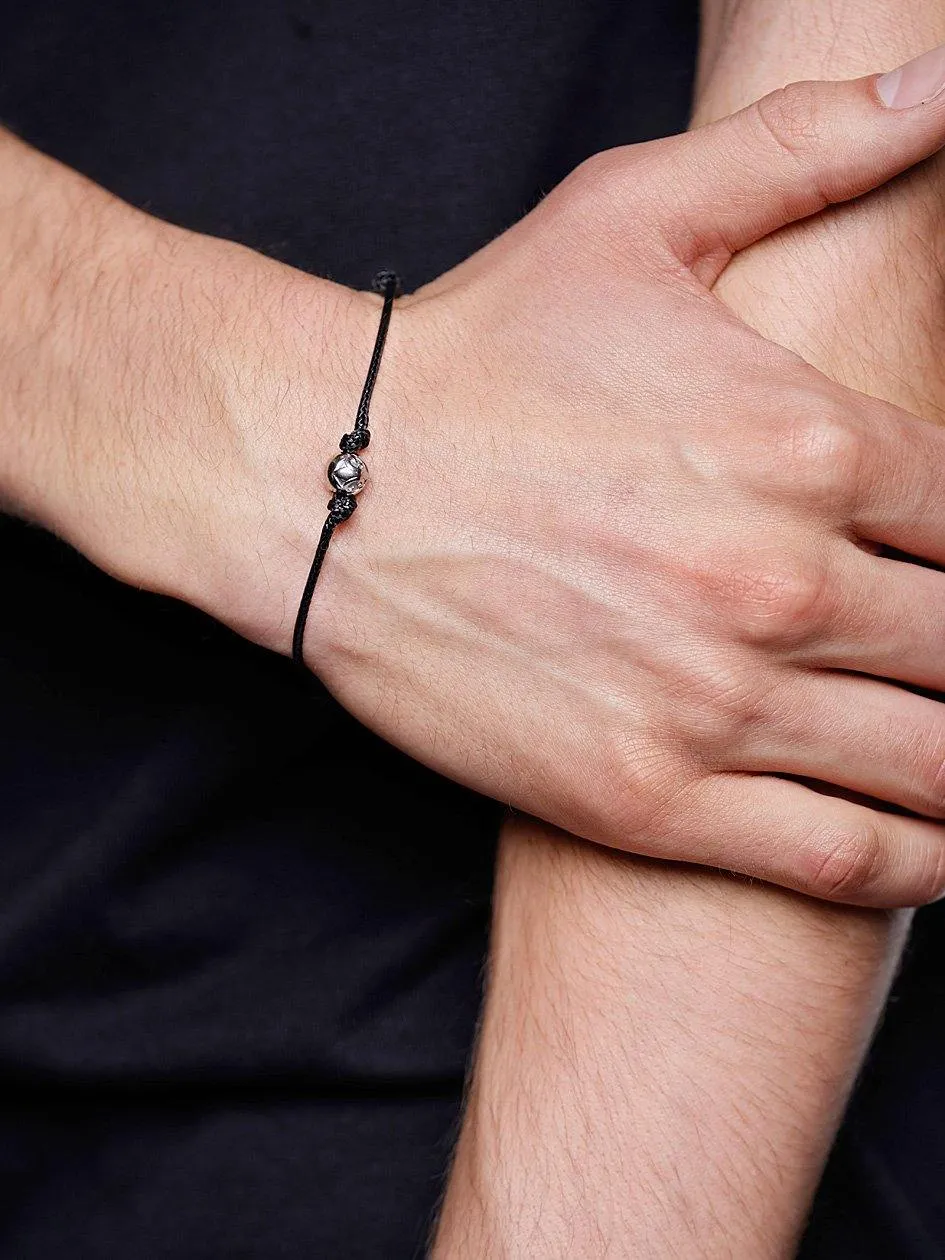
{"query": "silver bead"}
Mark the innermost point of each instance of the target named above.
(348, 472)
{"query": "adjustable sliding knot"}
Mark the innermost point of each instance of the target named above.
(351, 443)
(347, 472)
(341, 506)
(385, 280)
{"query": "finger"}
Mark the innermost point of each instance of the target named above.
(900, 494)
(873, 468)
(823, 846)
(859, 734)
(888, 620)
(802, 148)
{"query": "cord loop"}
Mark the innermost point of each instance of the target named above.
(347, 475)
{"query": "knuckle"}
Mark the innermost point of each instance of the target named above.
(823, 452)
(600, 180)
(638, 781)
(722, 704)
(790, 119)
(848, 865)
(778, 601)
(605, 193)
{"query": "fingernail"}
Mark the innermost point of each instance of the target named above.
(915, 83)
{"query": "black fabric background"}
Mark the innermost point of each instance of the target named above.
(236, 998)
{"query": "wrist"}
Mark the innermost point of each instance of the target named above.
(277, 358)
(170, 400)
(355, 616)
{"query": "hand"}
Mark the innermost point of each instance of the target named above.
(636, 595)
(857, 290)
(609, 571)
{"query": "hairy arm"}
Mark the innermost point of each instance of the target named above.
(663, 1060)
(143, 372)
(858, 291)
(665, 1055)
(159, 388)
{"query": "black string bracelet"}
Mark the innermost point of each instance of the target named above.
(347, 472)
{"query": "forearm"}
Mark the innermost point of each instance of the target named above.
(749, 47)
(663, 1061)
(664, 1056)
(143, 369)
(54, 226)
(858, 292)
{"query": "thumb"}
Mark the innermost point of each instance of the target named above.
(804, 147)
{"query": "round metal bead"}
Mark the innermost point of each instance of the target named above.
(348, 472)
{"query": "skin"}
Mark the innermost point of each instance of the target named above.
(664, 1058)
(688, 599)
(136, 365)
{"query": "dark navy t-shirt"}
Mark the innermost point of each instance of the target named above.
(237, 999)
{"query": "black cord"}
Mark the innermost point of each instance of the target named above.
(346, 471)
